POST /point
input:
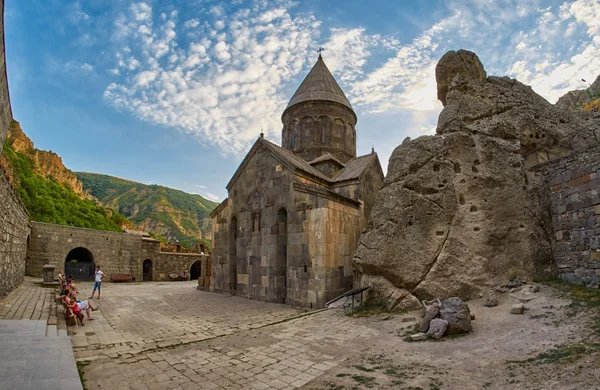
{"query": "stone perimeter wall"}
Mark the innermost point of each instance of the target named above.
(13, 215)
(14, 230)
(115, 252)
(574, 190)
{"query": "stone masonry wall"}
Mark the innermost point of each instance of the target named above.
(14, 230)
(165, 263)
(574, 189)
(114, 252)
(13, 215)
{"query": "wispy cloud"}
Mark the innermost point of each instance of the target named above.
(77, 14)
(212, 197)
(222, 87)
(223, 83)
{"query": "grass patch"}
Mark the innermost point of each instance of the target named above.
(366, 381)
(365, 369)
(368, 311)
(80, 367)
(582, 299)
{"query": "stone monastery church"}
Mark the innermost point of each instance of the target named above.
(290, 226)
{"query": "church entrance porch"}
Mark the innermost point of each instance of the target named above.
(147, 270)
(80, 264)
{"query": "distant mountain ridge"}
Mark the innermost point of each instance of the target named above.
(167, 212)
(51, 193)
(54, 194)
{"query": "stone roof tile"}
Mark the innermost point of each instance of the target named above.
(319, 84)
(354, 168)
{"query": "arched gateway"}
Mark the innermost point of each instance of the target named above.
(147, 270)
(80, 263)
(195, 270)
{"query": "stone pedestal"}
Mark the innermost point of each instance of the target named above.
(48, 275)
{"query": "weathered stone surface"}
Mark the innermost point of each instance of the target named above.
(459, 212)
(518, 308)
(437, 328)
(462, 64)
(490, 299)
(458, 315)
(506, 109)
(419, 337)
(432, 312)
(384, 293)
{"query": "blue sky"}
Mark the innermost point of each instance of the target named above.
(175, 92)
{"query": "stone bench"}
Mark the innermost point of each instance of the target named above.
(121, 278)
(175, 277)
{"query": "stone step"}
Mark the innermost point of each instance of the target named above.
(62, 334)
(51, 331)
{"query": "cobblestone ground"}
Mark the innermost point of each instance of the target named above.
(29, 301)
(144, 316)
(170, 335)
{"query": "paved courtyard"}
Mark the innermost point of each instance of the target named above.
(169, 335)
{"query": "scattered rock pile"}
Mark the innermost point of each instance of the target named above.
(450, 316)
(459, 212)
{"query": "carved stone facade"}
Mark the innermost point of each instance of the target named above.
(291, 223)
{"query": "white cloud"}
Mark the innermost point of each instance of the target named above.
(221, 87)
(225, 82)
(87, 67)
(77, 15)
(192, 23)
(210, 196)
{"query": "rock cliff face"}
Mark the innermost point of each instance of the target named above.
(46, 163)
(458, 212)
(576, 100)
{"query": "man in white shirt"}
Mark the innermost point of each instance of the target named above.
(98, 276)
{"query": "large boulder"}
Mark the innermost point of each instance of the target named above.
(457, 314)
(459, 212)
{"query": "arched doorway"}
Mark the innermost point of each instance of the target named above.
(281, 265)
(80, 264)
(196, 270)
(147, 270)
(233, 230)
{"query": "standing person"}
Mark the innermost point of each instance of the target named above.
(98, 276)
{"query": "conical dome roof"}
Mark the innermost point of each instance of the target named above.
(319, 84)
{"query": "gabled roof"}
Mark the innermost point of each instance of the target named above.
(355, 168)
(326, 157)
(285, 156)
(319, 84)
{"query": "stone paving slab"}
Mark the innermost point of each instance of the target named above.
(30, 360)
(29, 301)
(135, 317)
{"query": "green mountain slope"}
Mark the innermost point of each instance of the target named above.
(170, 213)
(46, 198)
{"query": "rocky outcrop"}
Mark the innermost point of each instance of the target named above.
(576, 100)
(46, 163)
(459, 213)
